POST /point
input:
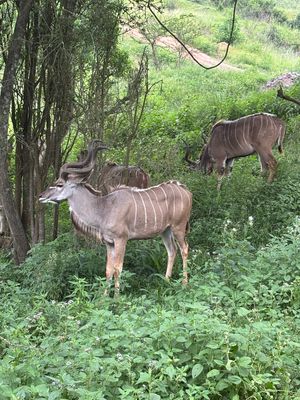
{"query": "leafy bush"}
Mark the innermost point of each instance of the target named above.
(224, 31)
(232, 333)
(296, 22)
(50, 267)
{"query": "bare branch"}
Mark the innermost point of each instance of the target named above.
(285, 97)
(186, 48)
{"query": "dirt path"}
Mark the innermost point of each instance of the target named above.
(172, 44)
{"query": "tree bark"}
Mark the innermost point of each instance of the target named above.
(20, 242)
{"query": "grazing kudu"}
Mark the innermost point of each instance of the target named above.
(124, 214)
(113, 175)
(247, 135)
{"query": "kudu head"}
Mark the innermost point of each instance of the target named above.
(203, 164)
(71, 175)
(206, 164)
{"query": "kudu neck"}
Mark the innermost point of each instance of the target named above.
(84, 202)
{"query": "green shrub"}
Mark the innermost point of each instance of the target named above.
(49, 268)
(232, 333)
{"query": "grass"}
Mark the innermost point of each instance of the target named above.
(254, 50)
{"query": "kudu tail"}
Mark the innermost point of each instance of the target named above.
(280, 139)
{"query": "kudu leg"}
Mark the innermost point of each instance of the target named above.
(272, 165)
(184, 250)
(220, 167)
(109, 266)
(119, 253)
(114, 263)
(228, 167)
(268, 163)
(169, 242)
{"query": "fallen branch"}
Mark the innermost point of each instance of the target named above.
(285, 97)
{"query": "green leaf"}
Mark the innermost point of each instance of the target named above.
(144, 377)
(181, 339)
(154, 396)
(54, 395)
(171, 371)
(212, 373)
(244, 362)
(196, 370)
(242, 312)
(42, 390)
(236, 380)
(221, 385)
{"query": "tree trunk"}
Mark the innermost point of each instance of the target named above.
(20, 242)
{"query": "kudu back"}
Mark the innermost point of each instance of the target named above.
(113, 175)
(256, 133)
(124, 214)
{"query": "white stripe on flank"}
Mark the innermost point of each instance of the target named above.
(174, 203)
(225, 138)
(146, 221)
(229, 138)
(273, 123)
(244, 132)
(236, 137)
(135, 210)
(180, 197)
(189, 198)
(155, 217)
(166, 200)
(261, 123)
(161, 212)
(267, 124)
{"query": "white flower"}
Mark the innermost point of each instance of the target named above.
(250, 220)
(234, 230)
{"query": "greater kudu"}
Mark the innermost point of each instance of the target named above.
(124, 214)
(247, 135)
(113, 175)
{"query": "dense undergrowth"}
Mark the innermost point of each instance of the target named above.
(233, 332)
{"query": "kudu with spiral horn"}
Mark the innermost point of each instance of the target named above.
(124, 214)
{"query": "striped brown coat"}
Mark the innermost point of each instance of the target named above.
(256, 133)
(124, 214)
(113, 175)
